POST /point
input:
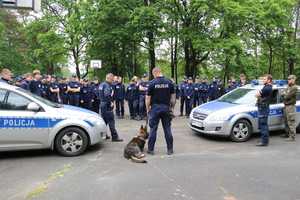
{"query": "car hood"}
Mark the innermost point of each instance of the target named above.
(221, 107)
(72, 111)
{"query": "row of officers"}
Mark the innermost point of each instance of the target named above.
(86, 94)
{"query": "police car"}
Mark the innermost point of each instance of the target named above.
(235, 114)
(28, 121)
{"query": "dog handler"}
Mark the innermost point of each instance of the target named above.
(160, 102)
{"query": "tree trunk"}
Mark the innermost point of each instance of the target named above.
(172, 67)
(270, 59)
(151, 54)
(291, 60)
(187, 58)
(175, 54)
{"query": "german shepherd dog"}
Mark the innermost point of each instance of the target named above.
(134, 149)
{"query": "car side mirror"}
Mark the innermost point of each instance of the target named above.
(33, 107)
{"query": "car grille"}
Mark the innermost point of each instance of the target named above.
(199, 116)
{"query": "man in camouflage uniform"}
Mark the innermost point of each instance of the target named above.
(289, 100)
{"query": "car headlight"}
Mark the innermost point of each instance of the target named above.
(218, 117)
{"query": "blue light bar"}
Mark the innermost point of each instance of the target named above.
(280, 82)
(275, 82)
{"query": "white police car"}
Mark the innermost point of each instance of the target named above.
(235, 114)
(28, 121)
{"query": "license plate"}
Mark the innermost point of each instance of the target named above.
(196, 123)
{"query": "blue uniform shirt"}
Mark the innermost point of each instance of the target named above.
(119, 91)
(25, 85)
(189, 90)
(181, 88)
(132, 92)
(160, 90)
(106, 92)
(74, 84)
(144, 84)
(36, 87)
(266, 95)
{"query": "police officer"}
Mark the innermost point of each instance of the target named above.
(132, 95)
(86, 95)
(119, 93)
(63, 89)
(243, 80)
(96, 95)
(106, 106)
(196, 92)
(143, 87)
(26, 81)
(232, 84)
(6, 76)
(35, 85)
(264, 97)
(182, 97)
(160, 102)
(74, 91)
(213, 90)
(54, 91)
(189, 94)
(289, 100)
(203, 91)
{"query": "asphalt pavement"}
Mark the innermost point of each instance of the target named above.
(202, 168)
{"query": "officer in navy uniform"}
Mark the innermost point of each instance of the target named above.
(26, 81)
(106, 106)
(35, 85)
(119, 93)
(143, 88)
(213, 90)
(96, 95)
(160, 102)
(197, 92)
(182, 97)
(63, 89)
(6, 76)
(189, 94)
(54, 91)
(264, 97)
(204, 87)
(132, 95)
(86, 95)
(74, 91)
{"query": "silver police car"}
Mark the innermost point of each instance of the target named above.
(28, 121)
(235, 114)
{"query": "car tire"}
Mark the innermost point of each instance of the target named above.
(241, 131)
(71, 142)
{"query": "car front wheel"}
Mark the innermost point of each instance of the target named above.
(71, 142)
(241, 131)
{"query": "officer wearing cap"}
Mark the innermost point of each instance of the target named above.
(181, 94)
(74, 91)
(106, 106)
(189, 94)
(203, 91)
(264, 97)
(119, 93)
(6, 76)
(54, 91)
(160, 102)
(132, 95)
(143, 87)
(35, 85)
(289, 100)
(86, 95)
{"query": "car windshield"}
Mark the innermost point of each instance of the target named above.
(240, 96)
(45, 101)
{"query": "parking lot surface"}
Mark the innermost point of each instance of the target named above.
(202, 168)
